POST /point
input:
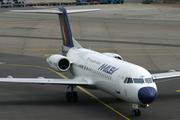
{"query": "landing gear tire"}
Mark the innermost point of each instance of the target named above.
(68, 96)
(75, 96)
(71, 95)
(136, 112)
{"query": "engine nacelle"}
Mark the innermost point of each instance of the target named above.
(114, 55)
(59, 62)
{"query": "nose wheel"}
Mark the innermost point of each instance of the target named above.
(71, 96)
(136, 112)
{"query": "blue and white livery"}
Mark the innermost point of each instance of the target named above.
(104, 71)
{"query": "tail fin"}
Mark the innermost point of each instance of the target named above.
(65, 28)
(68, 40)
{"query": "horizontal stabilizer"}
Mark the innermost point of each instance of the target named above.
(68, 40)
(57, 11)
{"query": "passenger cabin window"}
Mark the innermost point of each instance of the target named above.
(128, 80)
(138, 80)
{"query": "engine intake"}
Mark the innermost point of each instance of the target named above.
(63, 64)
(59, 62)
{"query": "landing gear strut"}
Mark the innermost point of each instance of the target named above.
(71, 95)
(136, 112)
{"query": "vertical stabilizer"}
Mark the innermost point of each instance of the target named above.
(65, 28)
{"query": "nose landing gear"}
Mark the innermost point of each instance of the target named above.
(136, 112)
(73, 95)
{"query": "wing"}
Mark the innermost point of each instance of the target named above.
(77, 81)
(170, 74)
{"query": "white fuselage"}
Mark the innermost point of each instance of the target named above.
(108, 73)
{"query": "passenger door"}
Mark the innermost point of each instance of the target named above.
(117, 84)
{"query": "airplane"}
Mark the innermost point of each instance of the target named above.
(104, 71)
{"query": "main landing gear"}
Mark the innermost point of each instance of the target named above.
(71, 96)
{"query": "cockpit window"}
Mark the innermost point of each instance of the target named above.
(125, 81)
(138, 80)
(128, 80)
(148, 80)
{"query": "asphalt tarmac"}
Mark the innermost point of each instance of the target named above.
(141, 34)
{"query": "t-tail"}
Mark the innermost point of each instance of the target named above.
(65, 28)
(68, 40)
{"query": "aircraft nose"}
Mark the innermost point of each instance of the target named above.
(147, 95)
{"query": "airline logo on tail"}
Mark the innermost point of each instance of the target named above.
(65, 28)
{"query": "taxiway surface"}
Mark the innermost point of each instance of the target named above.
(141, 34)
